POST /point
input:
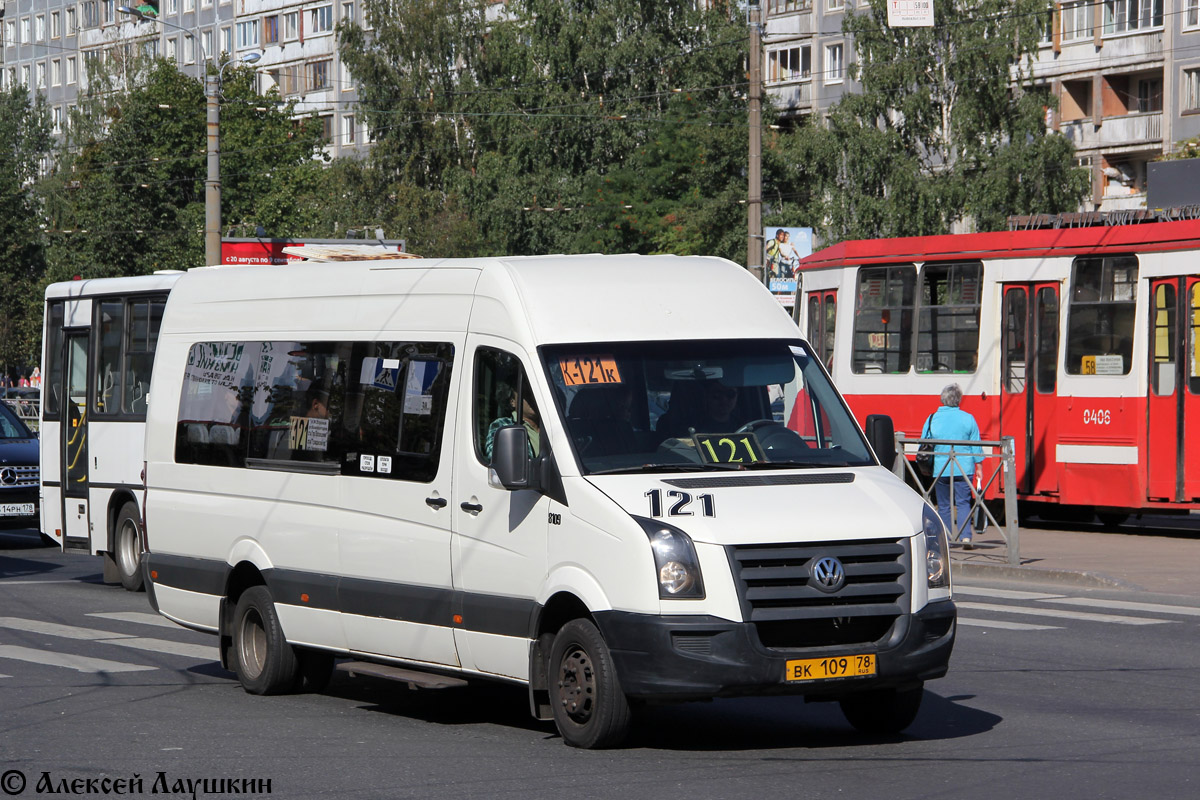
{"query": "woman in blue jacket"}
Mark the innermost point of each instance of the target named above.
(951, 422)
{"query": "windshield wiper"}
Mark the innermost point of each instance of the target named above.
(795, 464)
(687, 466)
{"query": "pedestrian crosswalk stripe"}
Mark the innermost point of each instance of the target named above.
(1062, 614)
(204, 652)
(1006, 594)
(1128, 605)
(140, 617)
(1006, 625)
(77, 663)
(5, 676)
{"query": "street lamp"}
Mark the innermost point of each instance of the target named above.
(212, 185)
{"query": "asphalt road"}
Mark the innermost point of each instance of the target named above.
(1054, 693)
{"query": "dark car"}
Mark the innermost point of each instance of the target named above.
(18, 472)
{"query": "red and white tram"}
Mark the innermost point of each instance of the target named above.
(1081, 343)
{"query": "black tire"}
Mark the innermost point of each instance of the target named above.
(884, 711)
(1112, 519)
(315, 670)
(127, 547)
(263, 660)
(590, 709)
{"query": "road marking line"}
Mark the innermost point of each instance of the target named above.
(54, 629)
(6, 582)
(1007, 594)
(1128, 605)
(77, 663)
(1063, 614)
(204, 652)
(140, 617)
(5, 676)
(1009, 626)
(165, 646)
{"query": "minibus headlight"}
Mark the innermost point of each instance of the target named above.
(937, 550)
(675, 561)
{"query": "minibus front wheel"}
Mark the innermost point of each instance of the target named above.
(590, 709)
(883, 711)
(265, 663)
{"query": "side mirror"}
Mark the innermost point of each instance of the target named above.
(511, 463)
(881, 435)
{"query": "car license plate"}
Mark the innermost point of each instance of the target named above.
(815, 669)
(16, 509)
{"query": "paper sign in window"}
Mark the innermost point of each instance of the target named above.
(583, 370)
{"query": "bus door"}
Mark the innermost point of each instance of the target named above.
(74, 436)
(822, 316)
(1029, 382)
(1172, 462)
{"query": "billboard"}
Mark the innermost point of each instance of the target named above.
(270, 251)
(783, 249)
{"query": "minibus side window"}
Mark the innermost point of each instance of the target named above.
(214, 406)
(883, 319)
(948, 320)
(1100, 316)
(501, 388)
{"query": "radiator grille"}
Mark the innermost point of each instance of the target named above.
(22, 476)
(789, 611)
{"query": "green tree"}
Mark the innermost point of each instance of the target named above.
(556, 126)
(948, 126)
(24, 142)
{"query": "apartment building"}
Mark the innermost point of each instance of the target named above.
(806, 55)
(53, 46)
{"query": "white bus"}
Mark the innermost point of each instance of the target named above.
(97, 353)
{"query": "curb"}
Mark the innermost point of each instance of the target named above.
(1026, 574)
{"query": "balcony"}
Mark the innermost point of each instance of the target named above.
(792, 97)
(1115, 131)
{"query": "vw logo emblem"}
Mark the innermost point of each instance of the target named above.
(8, 476)
(828, 575)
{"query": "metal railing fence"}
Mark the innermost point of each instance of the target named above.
(998, 458)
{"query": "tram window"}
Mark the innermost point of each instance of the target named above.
(1047, 340)
(1194, 356)
(1015, 323)
(830, 323)
(948, 320)
(1162, 340)
(883, 319)
(814, 319)
(1101, 315)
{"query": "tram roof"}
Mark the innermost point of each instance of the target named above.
(1140, 238)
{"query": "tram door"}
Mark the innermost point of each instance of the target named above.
(74, 435)
(1173, 463)
(1029, 383)
(822, 316)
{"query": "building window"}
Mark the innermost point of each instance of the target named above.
(41, 75)
(791, 64)
(318, 76)
(320, 19)
(1191, 89)
(56, 72)
(835, 5)
(69, 30)
(327, 127)
(26, 31)
(207, 42)
(24, 74)
(1149, 96)
(173, 49)
(270, 31)
(172, 7)
(189, 6)
(39, 27)
(10, 33)
(72, 71)
(55, 25)
(348, 11)
(57, 120)
(109, 9)
(788, 6)
(291, 26)
(189, 49)
(1122, 16)
(834, 66)
(348, 131)
(227, 39)
(1191, 14)
(247, 35)
(1077, 20)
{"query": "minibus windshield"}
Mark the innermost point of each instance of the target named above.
(700, 405)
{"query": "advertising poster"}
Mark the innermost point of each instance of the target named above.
(783, 249)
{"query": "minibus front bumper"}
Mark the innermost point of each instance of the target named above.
(697, 657)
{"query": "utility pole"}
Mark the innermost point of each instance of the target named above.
(754, 242)
(212, 186)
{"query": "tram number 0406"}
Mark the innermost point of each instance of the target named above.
(1097, 416)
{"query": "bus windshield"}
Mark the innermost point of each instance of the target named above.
(701, 405)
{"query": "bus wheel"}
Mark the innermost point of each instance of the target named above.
(265, 663)
(590, 709)
(127, 547)
(884, 711)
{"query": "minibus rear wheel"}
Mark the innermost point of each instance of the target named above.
(265, 663)
(883, 711)
(127, 547)
(590, 709)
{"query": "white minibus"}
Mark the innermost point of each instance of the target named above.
(615, 480)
